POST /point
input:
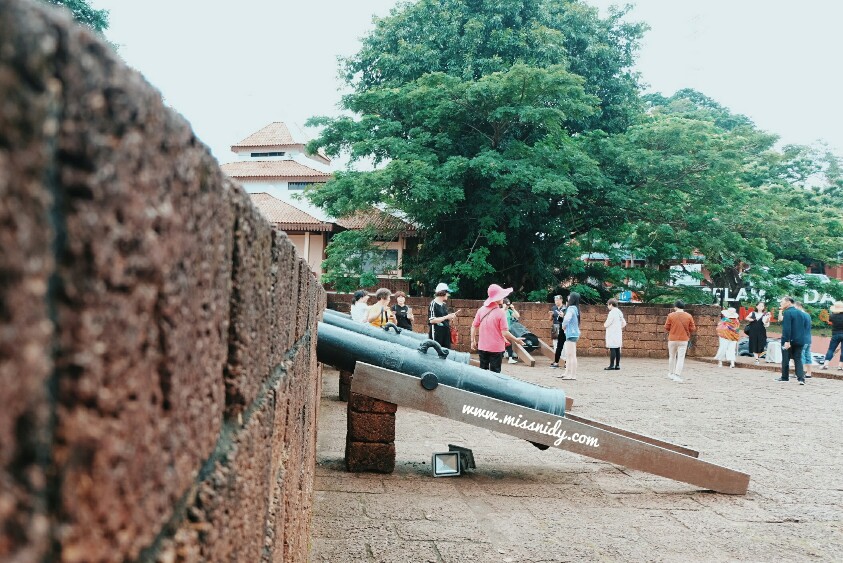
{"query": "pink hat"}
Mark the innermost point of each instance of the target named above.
(496, 293)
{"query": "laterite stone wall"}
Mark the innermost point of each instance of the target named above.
(644, 336)
(158, 378)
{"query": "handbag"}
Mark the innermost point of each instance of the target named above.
(554, 331)
(746, 329)
(455, 335)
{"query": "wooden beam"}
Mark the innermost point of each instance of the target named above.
(536, 426)
(547, 349)
(522, 353)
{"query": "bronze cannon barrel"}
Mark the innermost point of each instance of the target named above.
(344, 321)
(342, 349)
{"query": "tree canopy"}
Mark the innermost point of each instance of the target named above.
(514, 135)
(84, 13)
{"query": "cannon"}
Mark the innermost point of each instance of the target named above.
(342, 348)
(423, 379)
(406, 338)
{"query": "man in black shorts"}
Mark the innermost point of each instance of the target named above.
(439, 319)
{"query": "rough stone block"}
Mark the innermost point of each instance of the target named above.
(371, 427)
(362, 403)
(369, 457)
(144, 270)
(248, 363)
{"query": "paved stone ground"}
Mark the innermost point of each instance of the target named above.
(525, 505)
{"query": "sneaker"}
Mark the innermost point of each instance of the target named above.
(756, 361)
(825, 366)
(782, 379)
(676, 378)
(802, 382)
(839, 368)
(808, 376)
(617, 367)
(720, 364)
(610, 368)
(554, 365)
(732, 365)
(512, 361)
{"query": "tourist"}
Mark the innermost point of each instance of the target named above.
(438, 317)
(835, 319)
(511, 315)
(380, 314)
(807, 356)
(793, 340)
(557, 312)
(614, 325)
(571, 326)
(728, 333)
(756, 329)
(403, 313)
(491, 327)
(679, 326)
(359, 306)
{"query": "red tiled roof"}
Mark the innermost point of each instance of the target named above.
(277, 135)
(378, 219)
(273, 169)
(272, 135)
(286, 216)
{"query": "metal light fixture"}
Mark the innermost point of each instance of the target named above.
(446, 464)
(453, 463)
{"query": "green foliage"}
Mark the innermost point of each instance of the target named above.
(348, 256)
(512, 134)
(473, 113)
(83, 13)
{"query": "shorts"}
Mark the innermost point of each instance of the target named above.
(807, 357)
(573, 338)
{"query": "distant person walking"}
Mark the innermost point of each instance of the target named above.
(756, 329)
(807, 356)
(511, 315)
(557, 312)
(491, 328)
(614, 325)
(438, 317)
(835, 319)
(380, 314)
(728, 333)
(571, 326)
(679, 326)
(793, 340)
(360, 306)
(403, 313)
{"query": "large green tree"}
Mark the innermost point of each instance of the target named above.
(475, 114)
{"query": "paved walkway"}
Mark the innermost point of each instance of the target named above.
(525, 505)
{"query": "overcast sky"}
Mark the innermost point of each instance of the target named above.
(232, 67)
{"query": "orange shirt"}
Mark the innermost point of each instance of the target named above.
(679, 326)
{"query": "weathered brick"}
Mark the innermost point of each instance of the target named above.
(249, 350)
(362, 403)
(371, 457)
(28, 48)
(371, 427)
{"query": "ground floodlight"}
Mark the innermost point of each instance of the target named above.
(466, 457)
(446, 464)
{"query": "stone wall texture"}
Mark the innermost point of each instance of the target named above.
(158, 380)
(644, 335)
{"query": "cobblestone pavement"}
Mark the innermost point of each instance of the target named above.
(525, 505)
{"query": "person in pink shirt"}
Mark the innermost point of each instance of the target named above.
(491, 326)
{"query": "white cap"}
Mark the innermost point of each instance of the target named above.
(442, 287)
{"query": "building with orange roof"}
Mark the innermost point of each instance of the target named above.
(275, 168)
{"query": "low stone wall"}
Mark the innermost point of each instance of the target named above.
(644, 336)
(158, 378)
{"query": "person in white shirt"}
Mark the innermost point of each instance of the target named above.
(360, 306)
